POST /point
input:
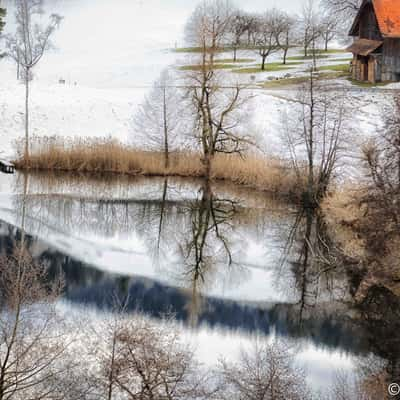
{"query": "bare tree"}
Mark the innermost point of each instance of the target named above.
(237, 28)
(343, 8)
(214, 107)
(147, 360)
(32, 341)
(383, 155)
(250, 21)
(315, 141)
(266, 372)
(266, 36)
(209, 25)
(158, 120)
(28, 45)
(284, 32)
(310, 30)
(382, 162)
(330, 28)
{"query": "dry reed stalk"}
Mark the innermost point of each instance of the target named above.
(110, 156)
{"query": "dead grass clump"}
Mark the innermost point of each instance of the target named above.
(111, 156)
(264, 174)
(342, 213)
(100, 156)
(366, 233)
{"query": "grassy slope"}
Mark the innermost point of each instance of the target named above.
(335, 67)
(199, 67)
(303, 79)
(231, 60)
(269, 67)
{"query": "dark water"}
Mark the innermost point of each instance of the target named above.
(230, 264)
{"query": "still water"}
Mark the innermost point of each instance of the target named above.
(230, 264)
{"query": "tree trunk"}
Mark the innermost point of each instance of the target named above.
(26, 153)
(285, 51)
(162, 211)
(112, 366)
(263, 63)
(166, 147)
(207, 165)
(311, 184)
(234, 53)
(326, 43)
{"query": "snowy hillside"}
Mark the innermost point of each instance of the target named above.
(109, 54)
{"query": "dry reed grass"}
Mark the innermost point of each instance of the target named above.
(342, 213)
(110, 156)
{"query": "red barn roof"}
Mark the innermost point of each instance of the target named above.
(388, 16)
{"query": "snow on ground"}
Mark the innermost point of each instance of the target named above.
(68, 111)
(109, 67)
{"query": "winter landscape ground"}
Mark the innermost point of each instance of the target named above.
(263, 268)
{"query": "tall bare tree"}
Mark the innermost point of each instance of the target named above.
(208, 26)
(316, 140)
(28, 45)
(159, 118)
(266, 36)
(284, 32)
(310, 29)
(214, 107)
(32, 341)
(382, 161)
(238, 27)
(330, 28)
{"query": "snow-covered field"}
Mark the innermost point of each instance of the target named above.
(110, 53)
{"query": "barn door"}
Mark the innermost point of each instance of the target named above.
(365, 72)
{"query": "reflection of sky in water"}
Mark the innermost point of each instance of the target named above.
(106, 236)
(255, 294)
(211, 345)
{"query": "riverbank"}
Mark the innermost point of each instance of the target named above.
(363, 225)
(104, 156)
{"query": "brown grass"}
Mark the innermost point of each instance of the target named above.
(108, 156)
(342, 213)
(366, 235)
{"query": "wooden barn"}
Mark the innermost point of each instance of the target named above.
(376, 46)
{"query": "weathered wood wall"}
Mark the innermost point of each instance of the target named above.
(391, 60)
(368, 26)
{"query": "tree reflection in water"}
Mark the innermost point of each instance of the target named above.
(196, 236)
(315, 263)
(205, 246)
